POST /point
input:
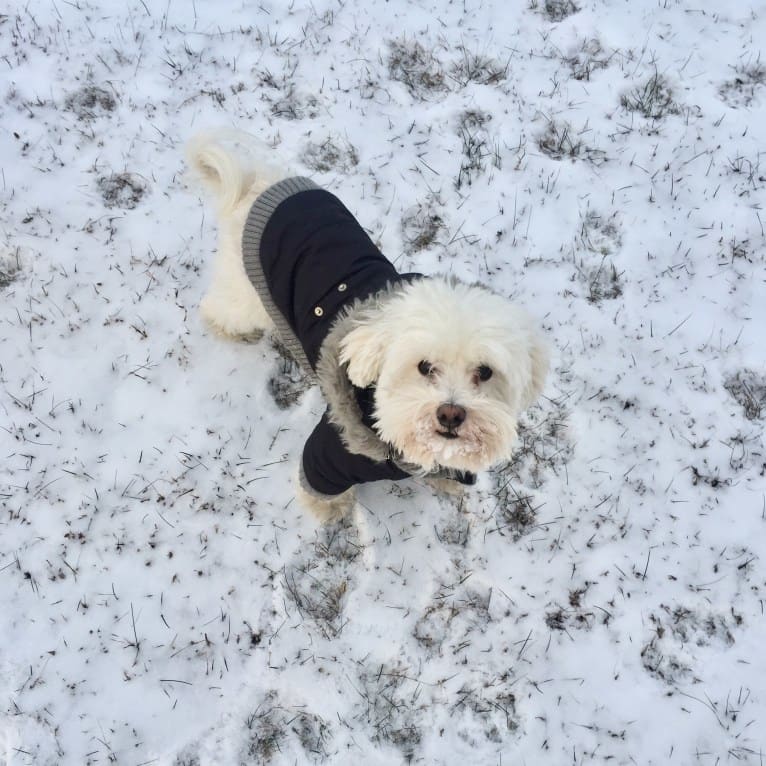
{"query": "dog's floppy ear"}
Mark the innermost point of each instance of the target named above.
(362, 350)
(539, 358)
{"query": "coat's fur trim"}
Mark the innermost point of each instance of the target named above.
(338, 391)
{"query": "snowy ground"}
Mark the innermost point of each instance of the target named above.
(598, 600)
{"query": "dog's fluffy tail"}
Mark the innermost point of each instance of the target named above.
(232, 163)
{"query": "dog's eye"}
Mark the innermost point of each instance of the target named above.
(425, 368)
(484, 373)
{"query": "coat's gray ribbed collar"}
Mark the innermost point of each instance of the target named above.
(260, 213)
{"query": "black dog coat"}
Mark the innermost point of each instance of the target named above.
(311, 263)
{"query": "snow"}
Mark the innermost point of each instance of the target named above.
(598, 600)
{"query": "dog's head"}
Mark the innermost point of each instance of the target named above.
(453, 365)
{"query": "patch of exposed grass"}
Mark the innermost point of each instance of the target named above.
(455, 531)
(742, 89)
(494, 704)
(749, 172)
(457, 611)
(575, 618)
(318, 584)
(124, 190)
(669, 656)
(422, 225)
(652, 99)
(390, 705)
(312, 732)
(600, 234)
(187, 758)
(292, 107)
(477, 147)
(560, 141)
(90, 101)
(589, 58)
(542, 448)
(554, 10)
(266, 732)
(603, 282)
(417, 68)
(332, 154)
(270, 726)
(514, 513)
(317, 597)
(748, 388)
(477, 68)
(10, 268)
(281, 93)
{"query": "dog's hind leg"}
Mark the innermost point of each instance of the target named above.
(231, 304)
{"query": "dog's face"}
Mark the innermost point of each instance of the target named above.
(453, 366)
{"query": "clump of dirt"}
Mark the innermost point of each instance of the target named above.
(742, 89)
(90, 102)
(289, 382)
(124, 190)
(331, 154)
(555, 10)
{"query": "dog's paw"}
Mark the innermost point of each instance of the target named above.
(325, 508)
(236, 315)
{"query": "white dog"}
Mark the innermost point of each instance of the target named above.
(422, 375)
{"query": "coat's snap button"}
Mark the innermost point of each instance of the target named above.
(342, 287)
(318, 311)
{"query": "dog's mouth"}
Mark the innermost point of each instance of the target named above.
(448, 434)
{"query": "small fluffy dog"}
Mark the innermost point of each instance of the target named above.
(422, 375)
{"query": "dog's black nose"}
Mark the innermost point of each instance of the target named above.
(450, 415)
